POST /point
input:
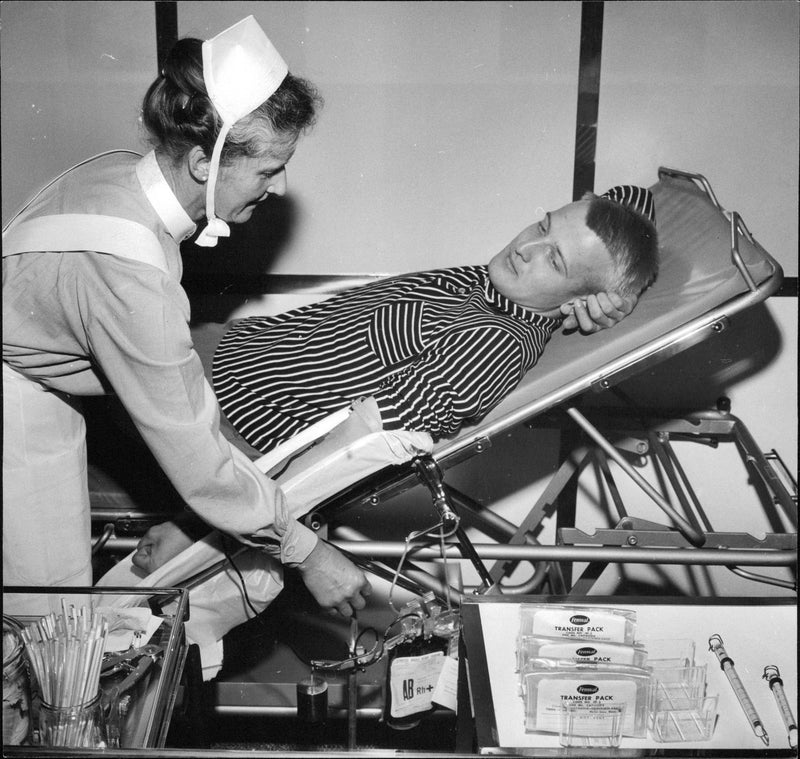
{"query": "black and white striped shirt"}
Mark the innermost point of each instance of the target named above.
(435, 349)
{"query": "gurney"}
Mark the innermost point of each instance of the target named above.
(712, 270)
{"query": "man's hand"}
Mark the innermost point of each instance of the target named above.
(334, 581)
(158, 545)
(597, 312)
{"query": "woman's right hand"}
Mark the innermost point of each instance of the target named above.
(334, 581)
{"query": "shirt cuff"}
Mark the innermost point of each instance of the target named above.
(297, 543)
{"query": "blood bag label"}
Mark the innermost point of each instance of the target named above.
(412, 681)
(446, 691)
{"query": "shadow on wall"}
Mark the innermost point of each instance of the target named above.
(251, 251)
(698, 376)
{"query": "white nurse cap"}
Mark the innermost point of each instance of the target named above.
(241, 70)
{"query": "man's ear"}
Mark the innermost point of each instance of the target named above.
(198, 164)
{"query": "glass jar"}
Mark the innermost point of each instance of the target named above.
(312, 700)
(79, 726)
(16, 686)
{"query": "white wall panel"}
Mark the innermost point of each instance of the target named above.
(446, 125)
(73, 78)
(712, 88)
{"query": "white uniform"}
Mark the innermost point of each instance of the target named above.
(92, 304)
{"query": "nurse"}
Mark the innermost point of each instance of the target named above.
(92, 304)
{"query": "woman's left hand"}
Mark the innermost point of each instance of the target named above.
(159, 544)
(597, 312)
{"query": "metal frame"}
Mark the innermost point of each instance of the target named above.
(630, 540)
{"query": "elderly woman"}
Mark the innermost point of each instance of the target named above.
(92, 304)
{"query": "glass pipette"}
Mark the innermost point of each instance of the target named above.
(726, 663)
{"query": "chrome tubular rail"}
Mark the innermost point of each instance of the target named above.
(663, 171)
(735, 255)
(627, 554)
(737, 223)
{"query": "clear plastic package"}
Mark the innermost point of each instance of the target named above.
(670, 652)
(591, 727)
(553, 684)
(579, 650)
(586, 622)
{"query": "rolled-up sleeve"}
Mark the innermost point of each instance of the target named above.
(139, 336)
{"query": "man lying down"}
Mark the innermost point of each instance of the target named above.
(433, 350)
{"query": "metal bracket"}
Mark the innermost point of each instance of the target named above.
(386, 492)
(430, 475)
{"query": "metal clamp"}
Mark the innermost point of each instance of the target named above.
(430, 474)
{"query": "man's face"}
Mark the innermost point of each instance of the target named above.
(553, 261)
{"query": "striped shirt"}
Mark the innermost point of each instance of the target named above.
(436, 349)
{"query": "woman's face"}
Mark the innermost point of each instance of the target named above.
(246, 182)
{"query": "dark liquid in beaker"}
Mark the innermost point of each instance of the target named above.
(312, 700)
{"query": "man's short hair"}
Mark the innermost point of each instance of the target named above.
(632, 240)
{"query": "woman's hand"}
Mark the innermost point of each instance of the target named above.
(334, 581)
(597, 312)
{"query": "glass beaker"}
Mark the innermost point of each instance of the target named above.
(79, 726)
(312, 700)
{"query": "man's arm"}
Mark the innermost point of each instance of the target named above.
(461, 376)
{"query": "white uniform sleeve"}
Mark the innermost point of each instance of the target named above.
(141, 340)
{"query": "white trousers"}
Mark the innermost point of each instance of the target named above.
(46, 516)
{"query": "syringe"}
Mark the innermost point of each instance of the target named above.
(726, 663)
(773, 676)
